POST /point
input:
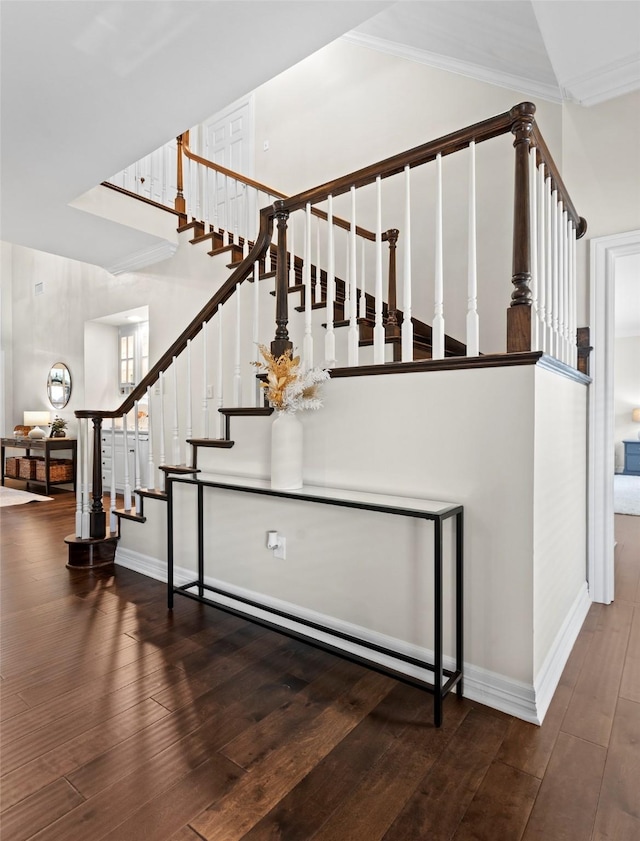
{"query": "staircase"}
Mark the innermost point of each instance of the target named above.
(320, 296)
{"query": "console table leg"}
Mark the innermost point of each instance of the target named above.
(437, 623)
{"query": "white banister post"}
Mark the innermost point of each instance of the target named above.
(175, 432)
(330, 337)
(555, 270)
(317, 292)
(227, 212)
(236, 212)
(245, 243)
(548, 263)
(151, 469)
(189, 418)
(292, 249)
(473, 325)
(162, 432)
(127, 481)
(567, 286)
(407, 323)
(216, 225)
(574, 302)
(561, 285)
(237, 371)
(354, 334)
(113, 520)
(542, 260)
(363, 282)
(437, 336)
(307, 345)
(219, 385)
(257, 390)
(205, 382)
(136, 457)
(533, 236)
(378, 330)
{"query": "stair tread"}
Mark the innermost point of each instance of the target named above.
(130, 515)
(246, 411)
(233, 246)
(211, 442)
(151, 493)
(178, 468)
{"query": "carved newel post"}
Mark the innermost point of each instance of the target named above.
(281, 342)
(520, 311)
(97, 515)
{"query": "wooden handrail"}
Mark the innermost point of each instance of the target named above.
(183, 143)
(227, 289)
(544, 156)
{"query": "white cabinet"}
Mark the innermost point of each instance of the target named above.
(114, 456)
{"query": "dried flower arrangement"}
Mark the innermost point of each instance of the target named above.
(288, 388)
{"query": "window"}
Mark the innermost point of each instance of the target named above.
(133, 350)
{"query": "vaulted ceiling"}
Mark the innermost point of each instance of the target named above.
(89, 87)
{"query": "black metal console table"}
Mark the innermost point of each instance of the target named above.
(444, 680)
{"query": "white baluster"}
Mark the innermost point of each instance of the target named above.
(330, 337)
(533, 236)
(86, 466)
(363, 282)
(548, 263)
(136, 459)
(473, 324)
(317, 292)
(189, 418)
(245, 245)
(151, 469)
(227, 212)
(162, 432)
(307, 345)
(437, 351)
(237, 372)
(347, 278)
(574, 301)
(175, 433)
(567, 286)
(407, 323)
(257, 390)
(205, 382)
(354, 335)
(219, 385)
(113, 520)
(80, 490)
(236, 212)
(561, 285)
(216, 225)
(542, 279)
(555, 286)
(378, 330)
(291, 234)
(127, 481)
(267, 256)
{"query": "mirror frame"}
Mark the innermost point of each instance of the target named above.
(65, 382)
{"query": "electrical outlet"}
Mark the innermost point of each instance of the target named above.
(209, 392)
(265, 145)
(280, 550)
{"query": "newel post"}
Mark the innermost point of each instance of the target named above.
(97, 516)
(392, 328)
(281, 342)
(180, 204)
(519, 314)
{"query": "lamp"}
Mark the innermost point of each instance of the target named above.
(34, 419)
(635, 416)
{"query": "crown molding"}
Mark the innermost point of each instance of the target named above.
(145, 257)
(614, 79)
(530, 87)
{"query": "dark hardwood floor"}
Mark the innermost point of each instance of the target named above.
(124, 723)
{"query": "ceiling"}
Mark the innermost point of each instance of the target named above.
(89, 87)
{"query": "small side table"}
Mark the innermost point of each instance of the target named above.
(44, 446)
(631, 457)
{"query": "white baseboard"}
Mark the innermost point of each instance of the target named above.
(502, 693)
(549, 675)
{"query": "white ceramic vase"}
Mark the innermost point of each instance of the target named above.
(286, 452)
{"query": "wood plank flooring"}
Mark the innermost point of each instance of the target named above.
(121, 722)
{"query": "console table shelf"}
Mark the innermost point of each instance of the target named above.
(43, 447)
(444, 680)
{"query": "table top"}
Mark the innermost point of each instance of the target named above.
(39, 443)
(411, 506)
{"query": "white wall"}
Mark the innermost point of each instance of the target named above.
(626, 393)
(6, 341)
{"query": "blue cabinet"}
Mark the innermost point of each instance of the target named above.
(632, 457)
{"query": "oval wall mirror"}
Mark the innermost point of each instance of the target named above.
(59, 385)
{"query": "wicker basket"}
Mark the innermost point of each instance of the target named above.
(27, 467)
(60, 470)
(11, 467)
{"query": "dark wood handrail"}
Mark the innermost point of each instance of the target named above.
(223, 294)
(544, 156)
(243, 179)
(446, 145)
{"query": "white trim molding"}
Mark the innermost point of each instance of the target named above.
(604, 251)
(617, 78)
(531, 87)
(145, 257)
(502, 693)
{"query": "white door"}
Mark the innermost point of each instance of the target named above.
(227, 139)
